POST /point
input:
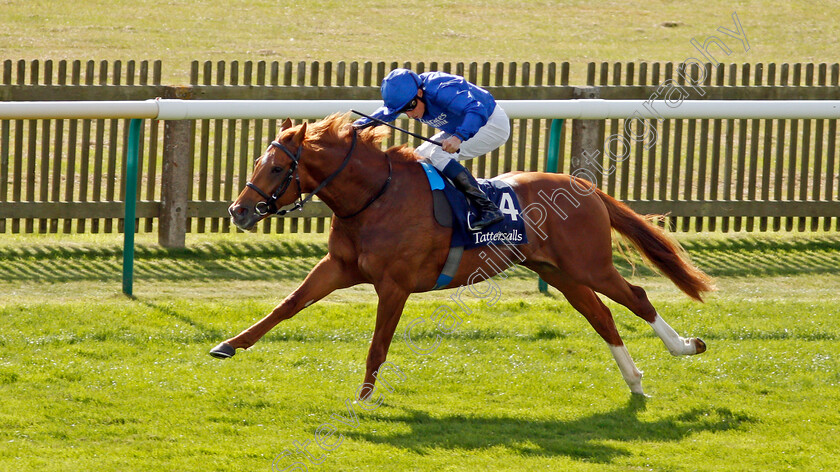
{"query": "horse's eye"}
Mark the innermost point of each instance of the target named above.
(276, 170)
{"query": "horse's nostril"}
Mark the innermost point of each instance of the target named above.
(237, 211)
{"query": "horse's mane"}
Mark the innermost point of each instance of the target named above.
(334, 129)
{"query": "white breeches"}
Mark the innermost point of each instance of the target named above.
(489, 137)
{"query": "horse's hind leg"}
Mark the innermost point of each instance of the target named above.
(614, 286)
(586, 301)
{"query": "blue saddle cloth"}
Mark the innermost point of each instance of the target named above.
(511, 230)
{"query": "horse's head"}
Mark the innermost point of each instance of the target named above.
(275, 181)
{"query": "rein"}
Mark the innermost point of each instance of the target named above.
(270, 203)
(380, 122)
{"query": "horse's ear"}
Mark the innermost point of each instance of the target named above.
(297, 139)
(286, 125)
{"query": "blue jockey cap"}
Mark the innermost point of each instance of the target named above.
(398, 88)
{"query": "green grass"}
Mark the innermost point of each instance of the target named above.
(433, 30)
(92, 379)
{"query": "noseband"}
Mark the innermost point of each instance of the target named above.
(270, 203)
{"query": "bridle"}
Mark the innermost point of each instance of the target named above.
(269, 206)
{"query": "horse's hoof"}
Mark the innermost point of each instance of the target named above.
(223, 351)
(699, 345)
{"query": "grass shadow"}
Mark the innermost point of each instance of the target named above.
(583, 439)
(200, 252)
(203, 332)
(56, 263)
(292, 260)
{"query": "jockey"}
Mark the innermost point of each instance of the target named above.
(471, 124)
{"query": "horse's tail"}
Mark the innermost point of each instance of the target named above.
(658, 248)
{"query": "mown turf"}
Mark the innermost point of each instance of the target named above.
(578, 31)
(93, 380)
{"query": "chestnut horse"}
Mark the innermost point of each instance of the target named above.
(384, 233)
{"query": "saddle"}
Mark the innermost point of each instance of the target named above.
(452, 210)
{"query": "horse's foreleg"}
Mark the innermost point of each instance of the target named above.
(328, 275)
(392, 300)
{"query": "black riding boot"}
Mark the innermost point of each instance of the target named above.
(489, 213)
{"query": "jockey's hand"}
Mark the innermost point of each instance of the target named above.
(451, 144)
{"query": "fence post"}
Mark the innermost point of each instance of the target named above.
(552, 165)
(130, 205)
(175, 177)
(175, 183)
(587, 142)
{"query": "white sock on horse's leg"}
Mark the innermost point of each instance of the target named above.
(676, 344)
(631, 374)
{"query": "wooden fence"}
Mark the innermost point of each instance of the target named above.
(732, 175)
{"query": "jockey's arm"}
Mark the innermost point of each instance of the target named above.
(474, 112)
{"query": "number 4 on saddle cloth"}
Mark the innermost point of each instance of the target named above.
(453, 211)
